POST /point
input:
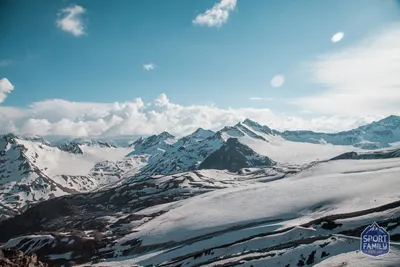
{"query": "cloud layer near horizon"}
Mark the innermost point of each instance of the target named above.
(60, 117)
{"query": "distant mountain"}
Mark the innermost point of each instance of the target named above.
(119, 141)
(254, 145)
(154, 144)
(32, 171)
(168, 155)
(375, 135)
(75, 146)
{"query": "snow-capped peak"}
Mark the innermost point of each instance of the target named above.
(251, 123)
(153, 144)
(257, 127)
(392, 119)
(201, 133)
(166, 135)
(93, 142)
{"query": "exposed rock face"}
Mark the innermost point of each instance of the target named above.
(10, 258)
(388, 154)
(71, 147)
(234, 156)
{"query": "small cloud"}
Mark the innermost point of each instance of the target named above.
(162, 100)
(261, 98)
(70, 20)
(306, 111)
(5, 63)
(217, 15)
(337, 37)
(278, 81)
(5, 88)
(149, 67)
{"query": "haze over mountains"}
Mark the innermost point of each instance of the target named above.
(144, 194)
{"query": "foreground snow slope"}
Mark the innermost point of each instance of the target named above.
(300, 220)
(329, 188)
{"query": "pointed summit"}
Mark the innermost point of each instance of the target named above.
(140, 140)
(201, 133)
(257, 127)
(166, 135)
(392, 119)
(251, 123)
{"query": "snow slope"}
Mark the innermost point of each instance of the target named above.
(290, 200)
(214, 223)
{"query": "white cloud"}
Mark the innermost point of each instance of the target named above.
(60, 117)
(149, 66)
(360, 80)
(217, 15)
(261, 98)
(5, 63)
(277, 81)
(70, 20)
(337, 37)
(5, 88)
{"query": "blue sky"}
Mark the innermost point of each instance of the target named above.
(194, 64)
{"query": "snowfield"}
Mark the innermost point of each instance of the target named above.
(60, 162)
(282, 203)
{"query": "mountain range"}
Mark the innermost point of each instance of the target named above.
(171, 195)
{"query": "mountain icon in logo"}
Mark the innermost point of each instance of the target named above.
(375, 240)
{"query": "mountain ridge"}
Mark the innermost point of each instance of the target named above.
(242, 193)
(254, 145)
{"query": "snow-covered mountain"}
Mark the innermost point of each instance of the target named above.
(80, 165)
(120, 141)
(246, 195)
(169, 155)
(74, 146)
(154, 144)
(31, 170)
(376, 135)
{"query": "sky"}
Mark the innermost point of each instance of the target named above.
(90, 68)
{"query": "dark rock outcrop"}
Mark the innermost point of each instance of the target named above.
(10, 258)
(383, 154)
(233, 156)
